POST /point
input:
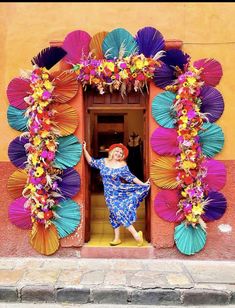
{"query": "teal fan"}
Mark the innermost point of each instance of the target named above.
(162, 109)
(68, 153)
(16, 118)
(188, 239)
(119, 43)
(211, 138)
(67, 218)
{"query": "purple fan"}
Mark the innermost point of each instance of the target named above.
(212, 103)
(175, 57)
(212, 71)
(49, 56)
(164, 76)
(164, 141)
(76, 44)
(216, 174)
(216, 208)
(17, 90)
(150, 41)
(166, 205)
(17, 153)
(70, 183)
(19, 215)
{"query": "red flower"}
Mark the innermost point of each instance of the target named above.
(48, 215)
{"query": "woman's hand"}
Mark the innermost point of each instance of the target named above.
(147, 183)
(84, 145)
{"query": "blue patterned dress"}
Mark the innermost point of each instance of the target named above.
(121, 198)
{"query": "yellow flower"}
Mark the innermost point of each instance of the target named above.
(36, 140)
(39, 171)
(31, 187)
(191, 80)
(188, 165)
(123, 74)
(110, 66)
(40, 215)
(184, 119)
(44, 133)
(45, 76)
(139, 64)
(43, 104)
(197, 209)
(194, 132)
(183, 156)
(191, 218)
(35, 159)
(48, 85)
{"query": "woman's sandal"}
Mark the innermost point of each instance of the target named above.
(141, 240)
(115, 243)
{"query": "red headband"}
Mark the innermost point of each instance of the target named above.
(122, 146)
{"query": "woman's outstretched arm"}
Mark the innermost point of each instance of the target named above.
(86, 154)
(137, 181)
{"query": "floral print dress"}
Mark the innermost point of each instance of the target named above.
(121, 198)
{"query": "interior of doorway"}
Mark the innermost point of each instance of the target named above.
(106, 128)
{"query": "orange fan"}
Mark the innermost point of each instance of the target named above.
(44, 240)
(163, 173)
(16, 183)
(66, 86)
(96, 44)
(65, 119)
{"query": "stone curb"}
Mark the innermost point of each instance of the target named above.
(83, 295)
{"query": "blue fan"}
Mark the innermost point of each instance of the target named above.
(216, 208)
(150, 41)
(17, 153)
(68, 153)
(211, 138)
(162, 109)
(188, 239)
(68, 217)
(164, 76)
(176, 57)
(16, 118)
(70, 183)
(119, 42)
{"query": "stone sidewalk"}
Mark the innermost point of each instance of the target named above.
(117, 281)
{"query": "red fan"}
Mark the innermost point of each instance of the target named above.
(17, 90)
(216, 174)
(164, 141)
(19, 215)
(166, 205)
(212, 71)
(76, 44)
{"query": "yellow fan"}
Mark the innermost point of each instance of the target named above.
(65, 119)
(44, 240)
(66, 86)
(96, 44)
(16, 183)
(163, 173)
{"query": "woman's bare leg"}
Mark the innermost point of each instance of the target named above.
(133, 232)
(117, 234)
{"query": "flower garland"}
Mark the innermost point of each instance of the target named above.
(116, 74)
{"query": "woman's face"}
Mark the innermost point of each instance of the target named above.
(118, 154)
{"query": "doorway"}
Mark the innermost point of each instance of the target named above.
(105, 125)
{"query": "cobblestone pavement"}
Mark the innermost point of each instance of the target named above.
(126, 282)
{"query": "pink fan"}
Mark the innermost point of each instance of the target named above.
(212, 71)
(216, 174)
(76, 44)
(164, 141)
(19, 215)
(166, 205)
(17, 90)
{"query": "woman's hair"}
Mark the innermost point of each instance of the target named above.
(112, 151)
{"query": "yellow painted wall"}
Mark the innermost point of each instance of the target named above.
(207, 30)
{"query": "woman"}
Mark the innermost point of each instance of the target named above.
(121, 198)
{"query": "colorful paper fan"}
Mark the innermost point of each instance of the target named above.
(119, 42)
(16, 118)
(164, 76)
(68, 219)
(216, 174)
(163, 172)
(69, 152)
(164, 141)
(166, 205)
(216, 207)
(76, 43)
(212, 103)
(211, 138)
(149, 41)
(96, 44)
(48, 57)
(65, 119)
(66, 86)
(175, 57)
(17, 153)
(44, 240)
(16, 183)
(70, 183)
(211, 71)
(17, 90)
(188, 239)
(19, 215)
(162, 109)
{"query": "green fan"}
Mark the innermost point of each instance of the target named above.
(16, 118)
(68, 153)
(189, 239)
(67, 218)
(162, 109)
